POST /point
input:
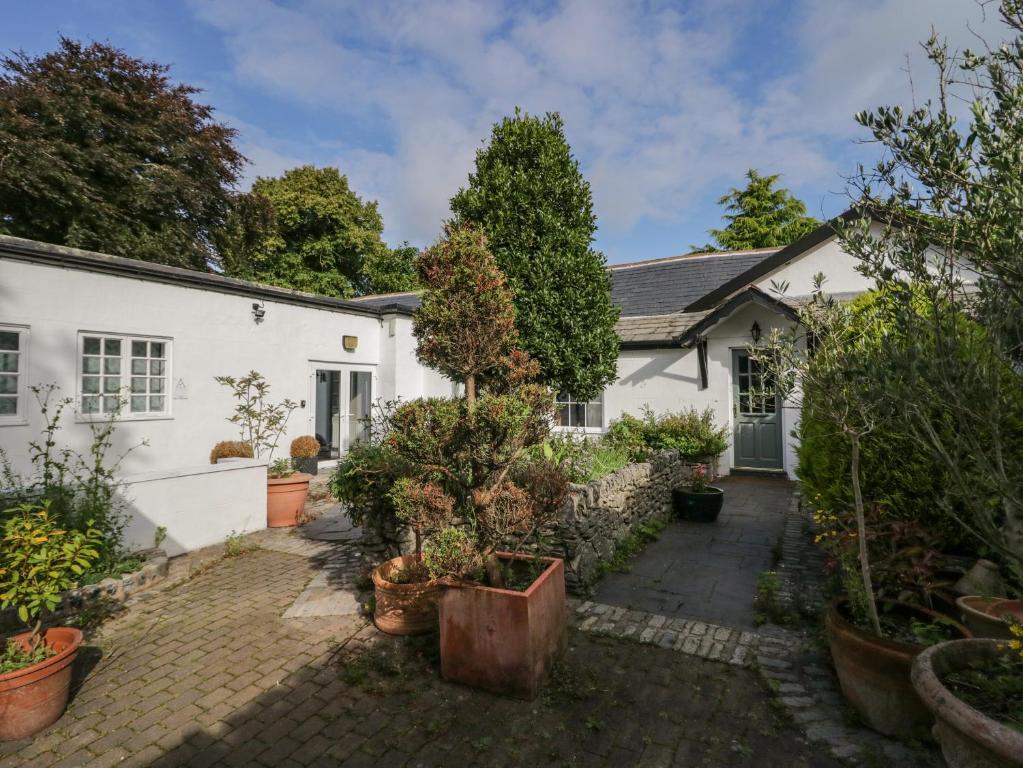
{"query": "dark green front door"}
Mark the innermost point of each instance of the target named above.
(758, 440)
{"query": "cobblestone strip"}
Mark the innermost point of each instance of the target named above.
(695, 638)
(795, 667)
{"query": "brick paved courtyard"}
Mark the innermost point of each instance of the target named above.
(210, 673)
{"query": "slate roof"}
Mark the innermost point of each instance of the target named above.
(645, 331)
(666, 286)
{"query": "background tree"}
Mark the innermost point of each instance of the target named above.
(100, 150)
(760, 216)
(323, 234)
(535, 207)
(392, 270)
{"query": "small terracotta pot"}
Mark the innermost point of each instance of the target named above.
(977, 615)
(968, 738)
(502, 640)
(35, 697)
(874, 672)
(285, 499)
(404, 609)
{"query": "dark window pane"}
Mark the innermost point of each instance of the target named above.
(90, 345)
(138, 349)
(595, 415)
(111, 346)
(8, 406)
(9, 362)
(9, 340)
(563, 416)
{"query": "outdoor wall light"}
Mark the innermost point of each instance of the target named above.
(755, 332)
(350, 343)
(258, 313)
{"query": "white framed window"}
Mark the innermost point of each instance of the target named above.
(13, 374)
(127, 375)
(579, 414)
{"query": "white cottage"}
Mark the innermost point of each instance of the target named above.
(102, 327)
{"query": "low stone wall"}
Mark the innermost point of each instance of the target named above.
(598, 516)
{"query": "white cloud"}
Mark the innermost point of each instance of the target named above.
(663, 107)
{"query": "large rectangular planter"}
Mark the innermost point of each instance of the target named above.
(501, 640)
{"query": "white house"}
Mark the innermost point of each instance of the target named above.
(103, 328)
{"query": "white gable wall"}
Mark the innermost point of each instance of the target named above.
(837, 266)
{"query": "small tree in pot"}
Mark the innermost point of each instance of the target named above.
(38, 562)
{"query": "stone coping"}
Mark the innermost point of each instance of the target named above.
(200, 469)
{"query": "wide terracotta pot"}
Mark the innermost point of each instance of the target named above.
(977, 613)
(35, 697)
(285, 499)
(874, 671)
(502, 640)
(968, 738)
(404, 609)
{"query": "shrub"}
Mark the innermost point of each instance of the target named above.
(230, 449)
(690, 432)
(452, 552)
(39, 560)
(629, 434)
(582, 460)
(305, 447)
(280, 468)
(363, 480)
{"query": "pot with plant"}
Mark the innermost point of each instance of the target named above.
(699, 501)
(305, 451)
(261, 424)
(38, 561)
(974, 689)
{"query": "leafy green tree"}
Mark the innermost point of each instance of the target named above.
(323, 235)
(761, 216)
(392, 270)
(101, 150)
(535, 207)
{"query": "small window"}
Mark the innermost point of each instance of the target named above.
(13, 373)
(126, 375)
(575, 414)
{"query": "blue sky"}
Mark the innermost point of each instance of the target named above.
(666, 104)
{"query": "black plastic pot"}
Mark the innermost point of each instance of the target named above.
(309, 466)
(701, 507)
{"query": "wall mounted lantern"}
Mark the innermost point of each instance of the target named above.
(755, 332)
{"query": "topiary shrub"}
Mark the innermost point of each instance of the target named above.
(230, 449)
(305, 447)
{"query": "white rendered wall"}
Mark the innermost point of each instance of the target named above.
(212, 333)
(198, 506)
(838, 267)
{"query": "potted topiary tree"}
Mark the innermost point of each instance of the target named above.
(261, 424)
(468, 481)
(305, 451)
(38, 562)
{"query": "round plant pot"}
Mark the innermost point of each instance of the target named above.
(701, 507)
(309, 465)
(285, 499)
(35, 697)
(968, 738)
(404, 609)
(976, 612)
(874, 671)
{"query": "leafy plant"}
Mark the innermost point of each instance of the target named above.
(159, 536)
(230, 449)
(261, 422)
(690, 432)
(698, 480)
(280, 468)
(40, 560)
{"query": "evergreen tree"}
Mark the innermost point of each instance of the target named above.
(392, 270)
(761, 216)
(535, 207)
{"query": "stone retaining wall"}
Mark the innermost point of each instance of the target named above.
(598, 516)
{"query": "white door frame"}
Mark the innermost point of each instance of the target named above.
(343, 393)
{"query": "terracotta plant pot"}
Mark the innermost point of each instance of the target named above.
(968, 738)
(976, 613)
(285, 499)
(35, 697)
(874, 672)
(501, 640)
(700, 507)
(404, 609)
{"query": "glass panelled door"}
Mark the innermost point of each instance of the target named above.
(342, 406)
(758, 438)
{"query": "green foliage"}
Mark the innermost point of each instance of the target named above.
(630, 546)
(103, 151)
(392, 270)
(280, 468)
(452, 552)
(582, 460)
(690, 432)
(769, 606)
(260, 422)
(81, 490)
(995, 689)
(39, 560)
(14, 656)
(761, 216)
(362, 481)
(319, 238)
(535, 207)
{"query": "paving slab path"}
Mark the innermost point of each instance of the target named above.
(708, 571)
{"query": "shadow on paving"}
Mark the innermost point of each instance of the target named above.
(208, 673)
(708, 571)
